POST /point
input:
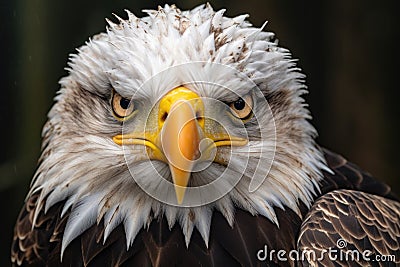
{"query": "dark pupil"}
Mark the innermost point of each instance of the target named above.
(124, 103)
(239, 104)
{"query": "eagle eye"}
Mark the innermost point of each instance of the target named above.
(121, 106)
(242, 108)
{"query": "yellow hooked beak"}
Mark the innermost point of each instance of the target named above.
(180, 116)
(180, 135)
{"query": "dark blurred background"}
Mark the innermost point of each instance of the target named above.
(347, 49)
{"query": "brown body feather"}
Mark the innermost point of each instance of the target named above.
(372, 222)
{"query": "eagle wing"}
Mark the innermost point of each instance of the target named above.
(355, 222)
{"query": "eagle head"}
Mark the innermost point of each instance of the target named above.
(177, 114)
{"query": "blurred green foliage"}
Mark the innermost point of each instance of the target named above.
(346, 48)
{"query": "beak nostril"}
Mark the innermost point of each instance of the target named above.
(198, 116)
(164, 116)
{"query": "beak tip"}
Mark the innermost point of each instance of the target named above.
(180, 194)
(180, 179)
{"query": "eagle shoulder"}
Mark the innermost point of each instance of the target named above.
(352, 226)
(354, 214)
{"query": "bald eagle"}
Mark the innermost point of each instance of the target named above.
(182, 139)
